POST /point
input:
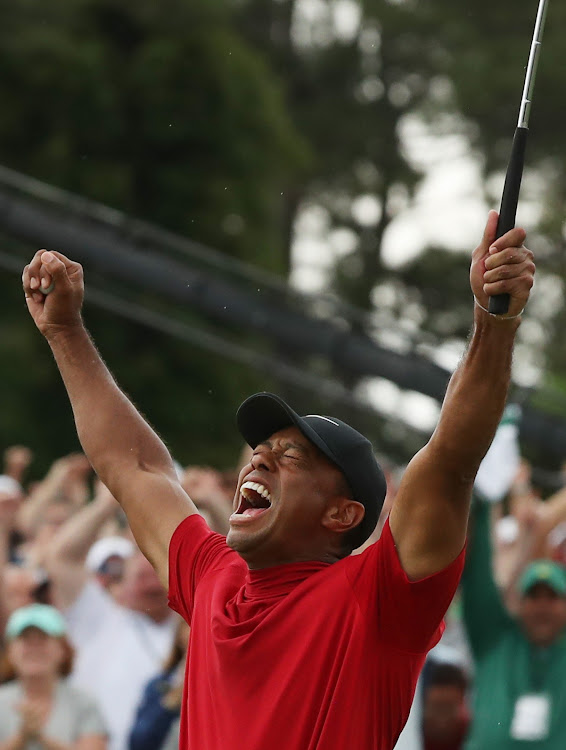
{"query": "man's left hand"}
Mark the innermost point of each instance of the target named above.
(502, 266)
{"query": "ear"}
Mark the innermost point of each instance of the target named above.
(343, 514)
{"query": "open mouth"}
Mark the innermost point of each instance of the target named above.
(255, 499)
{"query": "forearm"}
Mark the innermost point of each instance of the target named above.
(113, 434)
(41, 497)
(476, 397)
(77, 535)
(555, 512)
(483, 610)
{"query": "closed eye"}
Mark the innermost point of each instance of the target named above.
(299, 458)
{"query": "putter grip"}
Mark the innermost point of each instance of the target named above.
(499, 304)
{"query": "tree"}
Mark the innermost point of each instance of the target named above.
(165, 112)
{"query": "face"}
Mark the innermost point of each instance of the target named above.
(35, 654)
(141, 589)
(443, 708)
(285, 502)
(543, 614)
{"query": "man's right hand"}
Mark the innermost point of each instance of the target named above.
(60, 309)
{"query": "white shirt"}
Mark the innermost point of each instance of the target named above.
(118, 652)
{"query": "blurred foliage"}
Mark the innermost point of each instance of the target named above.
(222, 120)
(165, 112)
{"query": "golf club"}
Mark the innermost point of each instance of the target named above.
(499, 304)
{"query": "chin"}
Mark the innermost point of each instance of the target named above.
(246, 544)
(239, 541)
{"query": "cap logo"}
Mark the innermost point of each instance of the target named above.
(317, 416)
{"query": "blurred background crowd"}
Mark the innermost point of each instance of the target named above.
(92, 657)
(279, 195)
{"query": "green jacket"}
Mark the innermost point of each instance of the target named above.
(507, 666)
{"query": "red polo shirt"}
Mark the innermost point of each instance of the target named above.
(303, 656)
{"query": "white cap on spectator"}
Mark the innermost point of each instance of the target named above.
(108, 546)
(9, 486)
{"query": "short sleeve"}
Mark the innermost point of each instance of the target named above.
(406, 614)
(194, 551)
(90, 719)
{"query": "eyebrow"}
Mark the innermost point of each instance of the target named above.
(289, 444)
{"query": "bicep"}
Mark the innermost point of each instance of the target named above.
(155, 504)
(429, 517)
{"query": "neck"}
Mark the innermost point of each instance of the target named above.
(39, 686)
(258, 559)
(258, 564)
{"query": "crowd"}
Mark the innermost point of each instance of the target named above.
(92, 658)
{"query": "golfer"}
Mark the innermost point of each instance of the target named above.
(295, 644)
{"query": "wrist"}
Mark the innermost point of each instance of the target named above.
(55, 333)
(483, 318)
(503, 317)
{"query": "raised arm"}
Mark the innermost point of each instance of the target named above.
(125, 452)
(64, 477)
(430, 514)
(66, 557)
(486, 618)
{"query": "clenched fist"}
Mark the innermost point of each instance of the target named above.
(54, 291)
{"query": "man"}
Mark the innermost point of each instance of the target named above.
(122, 629)
(445, 712)
(520, 664)
(295, 644)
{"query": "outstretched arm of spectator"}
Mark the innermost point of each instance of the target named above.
(67, 554)
(8, 509)
(553, 513)
(536, 521)
(62, 472)
(203, 485)
(4, 551)
(485, 616)
(430, 514)
(124, 451)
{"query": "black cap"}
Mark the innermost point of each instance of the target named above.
(264, 414)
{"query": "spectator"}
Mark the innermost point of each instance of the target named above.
(17, 458)
(38, 709)
(9, 505)
(121, 642)
(106, 560)
(445, 712)
(156, 726)
(520, 663)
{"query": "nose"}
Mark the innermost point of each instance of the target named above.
(263, 460)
